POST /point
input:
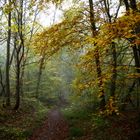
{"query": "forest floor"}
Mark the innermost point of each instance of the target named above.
(35, 121)
(20, 124)
(54, 127)
(86, 125)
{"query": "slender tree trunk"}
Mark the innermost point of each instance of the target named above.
(113, 49)
(114, 71)
(17, 83)
(19, 55)
(1, 83)
(38, 82)
(133, 5)
(135, 47)
(22, 80)
(7, 88)
(25, 60)
(126, 5)
(97, 57)
(39, 76)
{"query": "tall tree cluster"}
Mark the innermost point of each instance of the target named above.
(18, 24)
(105, 41)
(108, 45)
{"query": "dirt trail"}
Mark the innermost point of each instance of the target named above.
(54, 128)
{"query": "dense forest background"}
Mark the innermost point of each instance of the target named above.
(88, 61)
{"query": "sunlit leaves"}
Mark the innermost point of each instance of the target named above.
(111, 107)
(7, 8)
(124, 27)
(62, 34)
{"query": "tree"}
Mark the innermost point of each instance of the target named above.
(97, 57)
(9, 8)
(135, 47)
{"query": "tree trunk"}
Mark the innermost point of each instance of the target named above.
(114, 71)
(133, 5)
(2, 84)
(7, 85)
(126, 5)
(39, 76)
(17, 84)
(113, 49)
(19, 55)
(135, 47)
(97, 58)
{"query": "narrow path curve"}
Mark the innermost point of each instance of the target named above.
(54, 128)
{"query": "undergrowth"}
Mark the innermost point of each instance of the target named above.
(19, 125)
(84, 124)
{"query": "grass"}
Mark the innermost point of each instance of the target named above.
(75, 113)
(87, 125)
(76, 132)
(79, 120)
(19, 125)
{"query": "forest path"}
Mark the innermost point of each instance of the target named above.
(54, 127)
